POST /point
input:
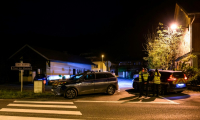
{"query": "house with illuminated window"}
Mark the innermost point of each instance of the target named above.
(54, 64)
(187, 14)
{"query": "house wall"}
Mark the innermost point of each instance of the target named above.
(182, 19)
(196, 41)
(65, 69)
(191, 38)
(101, 66)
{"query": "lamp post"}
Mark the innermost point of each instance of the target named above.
(102, 62)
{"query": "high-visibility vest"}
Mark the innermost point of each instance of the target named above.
(145, 76)
(140, 76)
(157, 78)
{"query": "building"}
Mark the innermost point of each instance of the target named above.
(187, 14)
(55, 64)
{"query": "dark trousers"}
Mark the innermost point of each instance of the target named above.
(156, 88)
(146, 85)
(142, 86)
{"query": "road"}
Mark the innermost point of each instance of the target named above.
(123, 105)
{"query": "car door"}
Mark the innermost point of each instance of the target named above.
(100, 83)
(87, 85)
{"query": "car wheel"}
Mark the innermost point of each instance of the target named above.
(166, 90)
(135, 86)
(160, 90)
(179, 91)
(111, 90)
(70, 93)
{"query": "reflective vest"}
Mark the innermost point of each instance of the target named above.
(140, 76)
(145, 76)
(156, 79)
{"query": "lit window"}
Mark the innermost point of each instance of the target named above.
(95, 66)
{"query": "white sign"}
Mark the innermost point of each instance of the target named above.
(22, 65)
(108, 63)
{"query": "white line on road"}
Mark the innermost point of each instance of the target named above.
(169, 100)
(33, 105)
(42, 111)
(30, 118)
(152, 102)
(45, 102)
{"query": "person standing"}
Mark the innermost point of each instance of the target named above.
(156, 82)
(146, 81)
(141, 81)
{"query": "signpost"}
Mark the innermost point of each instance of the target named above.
(21, 66)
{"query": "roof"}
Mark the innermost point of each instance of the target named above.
(56, 55)
(183, 56)
(189, 6)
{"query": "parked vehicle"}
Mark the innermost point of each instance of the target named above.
(41, 77)
(86, 83)
(171, 81)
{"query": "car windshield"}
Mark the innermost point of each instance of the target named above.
(76, 77)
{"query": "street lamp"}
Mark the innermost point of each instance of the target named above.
(102, 57)
(173, 26)
(102, 62)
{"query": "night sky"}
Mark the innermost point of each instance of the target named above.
(115, 28)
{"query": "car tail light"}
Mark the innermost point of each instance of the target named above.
(185, 77)
(171, 78)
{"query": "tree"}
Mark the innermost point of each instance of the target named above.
(162, 47)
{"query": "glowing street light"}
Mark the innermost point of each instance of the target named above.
(102, 57)
(173, 26)
(102, 62)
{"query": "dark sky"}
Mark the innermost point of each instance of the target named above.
(113, 27)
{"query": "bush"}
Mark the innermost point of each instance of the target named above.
(193, 75)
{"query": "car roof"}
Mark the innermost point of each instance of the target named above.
(170, 71)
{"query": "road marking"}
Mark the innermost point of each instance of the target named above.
(169, 100)
(156, 101)
(31, 118)
(42, 111)
(33, 105)
(100, 101)
(129, 102)
(49, 102)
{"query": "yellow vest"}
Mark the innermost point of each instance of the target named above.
(140, 76)
(156, 78)
(145, 76)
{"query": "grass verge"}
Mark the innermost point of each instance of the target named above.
(13, 94)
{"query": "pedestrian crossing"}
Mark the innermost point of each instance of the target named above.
(44, 110)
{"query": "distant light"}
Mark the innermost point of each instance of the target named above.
(173, 26)
(102, 55)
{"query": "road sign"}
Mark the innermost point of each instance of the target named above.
(20, 68)
(22, 65)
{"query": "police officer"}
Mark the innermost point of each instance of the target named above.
(156, 82)
(141, 81)
(146, 81)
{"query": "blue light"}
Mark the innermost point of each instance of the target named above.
(180, 85)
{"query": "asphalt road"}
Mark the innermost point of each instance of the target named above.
(123, 105)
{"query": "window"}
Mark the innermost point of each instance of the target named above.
(99, 76)
(89, 77)
(95, 66)
(110, 75)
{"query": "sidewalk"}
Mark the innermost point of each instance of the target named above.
(194, 88)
